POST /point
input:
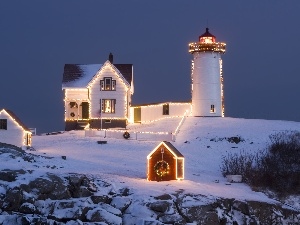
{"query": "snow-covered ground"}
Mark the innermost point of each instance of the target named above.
(123, 162)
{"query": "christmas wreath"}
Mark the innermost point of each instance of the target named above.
(126, 135)
(72, 114)
(162, 168)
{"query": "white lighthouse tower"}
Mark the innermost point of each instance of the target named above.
(207, 79)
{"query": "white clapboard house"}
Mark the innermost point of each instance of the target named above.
(12, 130)
(97, 96)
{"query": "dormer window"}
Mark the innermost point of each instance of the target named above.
(107, 84)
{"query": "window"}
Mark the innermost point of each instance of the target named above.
(3, 124)
(166, 109)
(107, 84)
(108, 105)
(73, 105)
(212, 108)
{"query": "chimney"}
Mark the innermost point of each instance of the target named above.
(111, 58)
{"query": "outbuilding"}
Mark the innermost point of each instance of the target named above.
(165, 163)
(12, 130)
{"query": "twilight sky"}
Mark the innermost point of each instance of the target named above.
(261, 67)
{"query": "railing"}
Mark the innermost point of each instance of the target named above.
(179, 125)
(136, 135)
(210, 47)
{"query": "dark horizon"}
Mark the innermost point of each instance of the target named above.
(260, 66)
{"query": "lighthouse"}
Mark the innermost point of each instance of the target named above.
(207, 78)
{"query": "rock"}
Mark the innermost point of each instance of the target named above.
(140, 209)
(94, 223)
(11, 220)
(101, 215)
(13, 199)
(121, 203)
(27, 208)
(160, 206)
(242, 207)
(51, 186)
(125, 191)
(164, 197)
(44, 208)
(172, 219)
(84, 192)
(101, 198)
(80, 186)
(29, 220)
(211, 218)
(42, 185)
(70, 209)
(10, 175)
(236, 139)
(265, 213)
(110, 209)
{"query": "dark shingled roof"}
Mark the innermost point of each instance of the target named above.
(207, 34)
(176, 152)
(71, 72)
(14, 116)
(78, 75)
(125, 70)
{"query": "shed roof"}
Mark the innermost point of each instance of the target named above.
(14, 117)
(79, 75)
(170, 147)
(174, 150)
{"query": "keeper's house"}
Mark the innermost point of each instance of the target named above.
(97, 96)
(165, 163)
(12, 130)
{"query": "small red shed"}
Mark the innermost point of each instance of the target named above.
(165, 163)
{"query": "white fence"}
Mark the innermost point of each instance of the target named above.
(141, 136)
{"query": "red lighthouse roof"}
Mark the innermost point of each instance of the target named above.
(207, 37)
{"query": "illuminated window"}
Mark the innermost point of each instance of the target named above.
(166, 109)
(3, 124)
(108, 105)
(212, 108)
(107, 84)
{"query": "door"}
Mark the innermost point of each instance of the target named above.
(137, 115)
(85, 110)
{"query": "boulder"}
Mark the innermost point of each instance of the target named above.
(121, 203)
(74, 209)
(80, 186)
(51, 186)
(160, 206)
(101, 215)
(12, 200)
(10, 175)
(27, 208)
(101, 199)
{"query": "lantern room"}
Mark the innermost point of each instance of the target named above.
(207, 43)
(165, 163)
(207, 37)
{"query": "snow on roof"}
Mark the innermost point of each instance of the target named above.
(16, 119)
(79, 75)
(170, 147)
